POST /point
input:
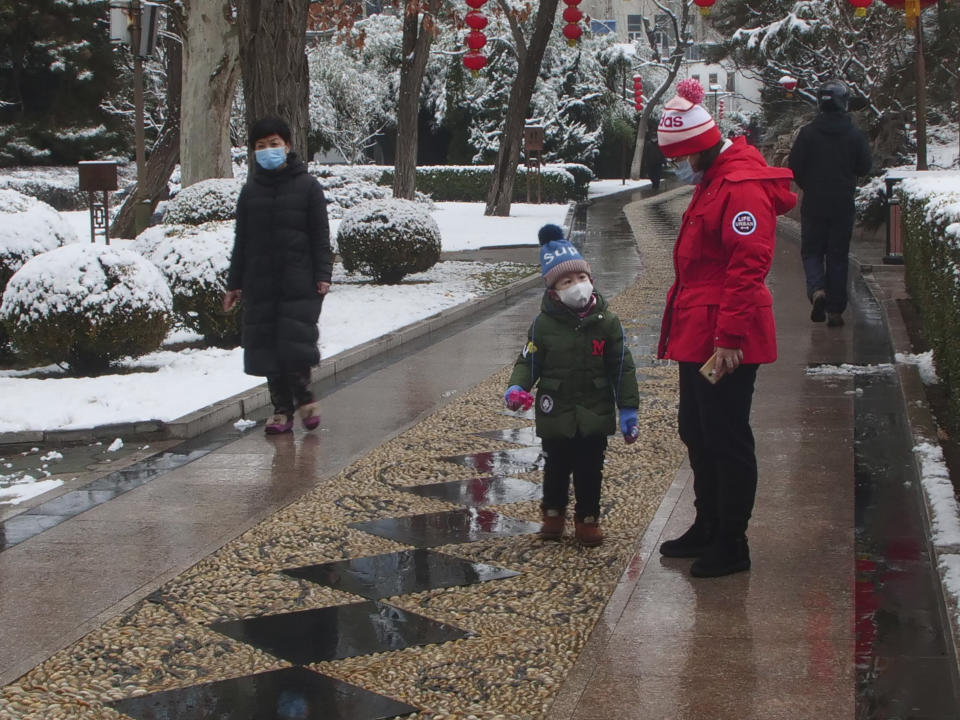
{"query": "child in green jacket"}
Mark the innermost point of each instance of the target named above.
(576, 355)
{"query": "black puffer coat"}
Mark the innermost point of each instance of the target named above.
(281, 251)
(826, 158)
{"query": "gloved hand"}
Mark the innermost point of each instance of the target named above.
(629, 425)
(516, 398)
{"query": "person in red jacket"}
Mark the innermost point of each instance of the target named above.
(719, 305)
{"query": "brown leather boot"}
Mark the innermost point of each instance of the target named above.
(588, 531)
(551, 527)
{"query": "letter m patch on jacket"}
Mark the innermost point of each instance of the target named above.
(598, 346)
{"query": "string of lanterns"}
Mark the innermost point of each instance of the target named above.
(911, 8)
(572, 16)
(474, 60)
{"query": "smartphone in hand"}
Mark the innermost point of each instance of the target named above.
(708, 369)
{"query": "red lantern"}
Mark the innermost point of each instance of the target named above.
(720, 109)
(571, 3)
(572, 15)
(476, 4)
(475, 20)
(474, 61)
(861, 6)
(704, 5)
(789, 84)
(638, 93)
(572, 33)
(476, 40)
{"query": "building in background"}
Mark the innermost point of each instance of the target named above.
(642, 21)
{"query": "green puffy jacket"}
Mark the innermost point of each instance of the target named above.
(582, 368)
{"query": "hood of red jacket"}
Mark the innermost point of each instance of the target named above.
(742, 162)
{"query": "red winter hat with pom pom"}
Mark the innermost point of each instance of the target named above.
(685, 126)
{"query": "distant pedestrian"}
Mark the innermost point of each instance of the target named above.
(653, 160)
(719, 308)
(827, 157)
(577, 357)
(281, 268)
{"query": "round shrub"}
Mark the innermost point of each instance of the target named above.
(86, 305)
(28, 227)
(205, 201)
(195, 262)
(388, 239)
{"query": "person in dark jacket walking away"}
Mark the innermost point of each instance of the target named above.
(653, 160)
(827, 157)
(576, 354)
(281, 268)
(719, 307)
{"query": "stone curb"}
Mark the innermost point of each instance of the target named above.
(240, 405)
(923, 428)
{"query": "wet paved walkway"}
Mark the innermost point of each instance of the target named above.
(102, 547)
(776, 642)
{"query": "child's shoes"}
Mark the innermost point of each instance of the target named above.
(279, 424)
(551, 527)
(588, 531)
(310, 415)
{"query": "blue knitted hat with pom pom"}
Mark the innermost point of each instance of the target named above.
(557, 256)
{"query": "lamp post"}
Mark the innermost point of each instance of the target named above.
(142, 204)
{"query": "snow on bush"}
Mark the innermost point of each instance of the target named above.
(87, 305)
(343, 193)
(28, 227)
(871, 202)
(388, 239)
(195, 260)
(205, 201)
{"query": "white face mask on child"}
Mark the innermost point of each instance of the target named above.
(576, 296)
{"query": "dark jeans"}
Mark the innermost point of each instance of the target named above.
(714, 423)
(289, 391)
(581, 456)
(824, 248)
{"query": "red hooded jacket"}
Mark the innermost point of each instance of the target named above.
(721, 259)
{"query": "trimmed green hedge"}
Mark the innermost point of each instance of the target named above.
(932, 257)
(470, 183)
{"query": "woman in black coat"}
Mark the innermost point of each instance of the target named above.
(281, 266)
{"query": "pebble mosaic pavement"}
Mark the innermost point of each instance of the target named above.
(518, 636)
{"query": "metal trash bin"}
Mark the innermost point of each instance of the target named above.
(894, 255)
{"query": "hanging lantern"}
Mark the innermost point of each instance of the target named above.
(704, 5)
(720, 106)
(911, 8)
(572, 16)
(474, 61)
(789, 84)
(861, 6)
(638, 93)
(475, 20)
(476, 40)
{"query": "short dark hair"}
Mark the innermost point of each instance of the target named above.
(267, 126)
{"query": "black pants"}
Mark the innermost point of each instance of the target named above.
(581, 456)
(824, 249)
(289, 391)
(714, 423)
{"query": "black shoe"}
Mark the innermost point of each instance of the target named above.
(834, 320)
(818, 312)
(689, 545)
(723, 557)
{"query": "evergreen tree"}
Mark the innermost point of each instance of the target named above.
(56, 66)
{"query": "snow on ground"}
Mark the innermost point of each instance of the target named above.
(924, 363)
(24, 488)
(846, 369)
(609, 187)
(935, 477)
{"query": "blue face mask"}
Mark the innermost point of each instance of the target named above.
(687, 175)
(271, 158)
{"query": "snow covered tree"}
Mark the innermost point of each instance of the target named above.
(273, 62)
(351, 101)
(211, 55)
(57, 66)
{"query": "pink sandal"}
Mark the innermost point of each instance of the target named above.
(310, 415)
(279, 424)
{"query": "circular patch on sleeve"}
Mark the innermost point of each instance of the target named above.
(546, 403)
(744, 223)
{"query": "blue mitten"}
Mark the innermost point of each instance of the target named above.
(629, 424)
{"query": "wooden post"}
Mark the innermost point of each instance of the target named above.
(921, 69)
